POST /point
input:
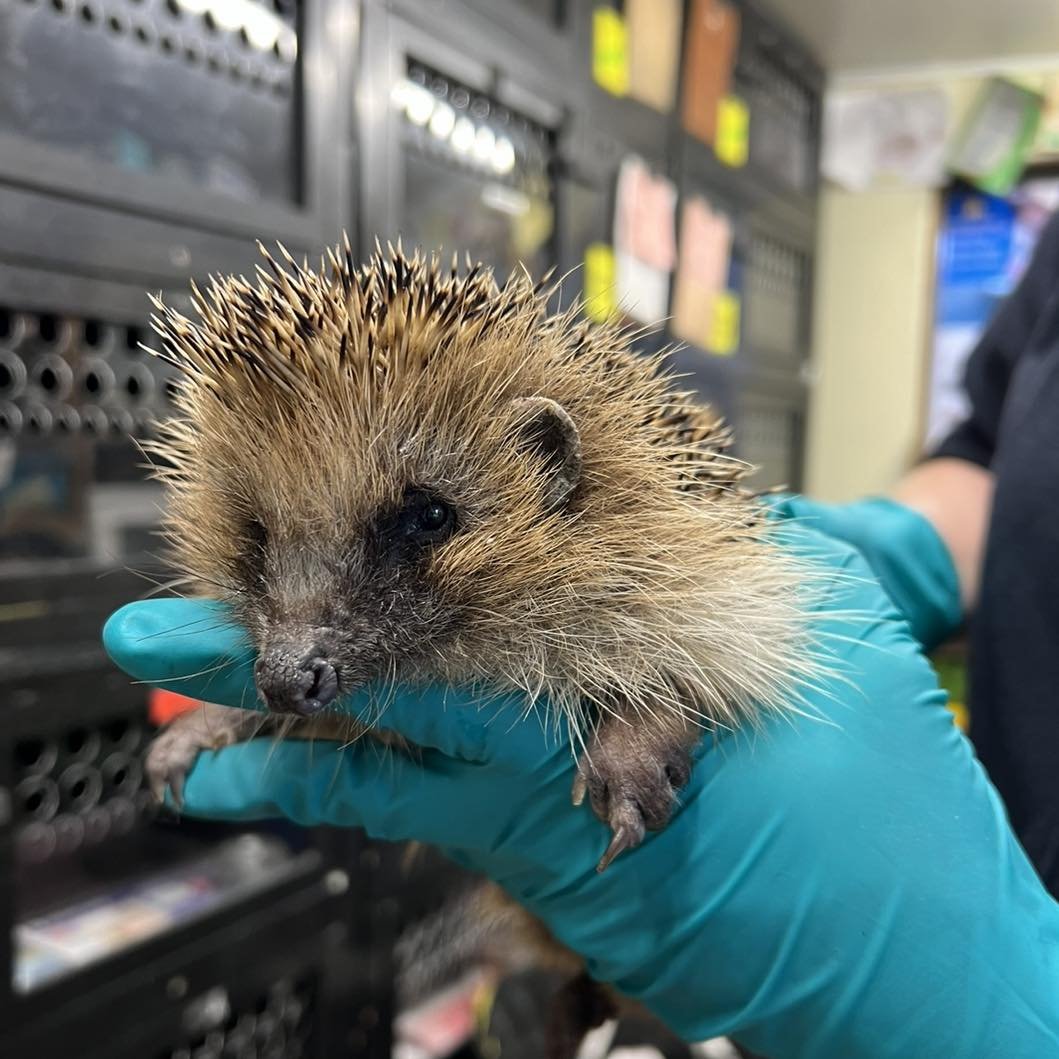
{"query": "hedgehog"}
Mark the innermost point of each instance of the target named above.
(405, 473)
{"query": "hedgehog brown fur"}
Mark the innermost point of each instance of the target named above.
(600, 552)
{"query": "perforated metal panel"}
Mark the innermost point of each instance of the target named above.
(775, 277)
(784, 114)
(276, 1023)
(69, 375)
(78, 787)
(769, 436)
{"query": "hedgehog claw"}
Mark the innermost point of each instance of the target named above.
(176, 789)
(624, 838)
(169, 759)
(577, 795)
(627, 829)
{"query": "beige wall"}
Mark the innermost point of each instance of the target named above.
(873, 312)
(873, 308)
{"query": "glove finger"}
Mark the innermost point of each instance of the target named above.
(192, 647)
(389, 794)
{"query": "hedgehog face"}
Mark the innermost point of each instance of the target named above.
(380, 569)
(331, 614)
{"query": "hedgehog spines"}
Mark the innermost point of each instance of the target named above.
(403, 361)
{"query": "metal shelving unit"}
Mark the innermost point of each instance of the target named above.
(166, 142)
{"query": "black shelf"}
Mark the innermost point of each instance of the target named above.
(189, 885)
(165, 994)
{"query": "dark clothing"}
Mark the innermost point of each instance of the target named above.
(1013, 429)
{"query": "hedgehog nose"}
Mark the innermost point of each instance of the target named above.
(296, 682)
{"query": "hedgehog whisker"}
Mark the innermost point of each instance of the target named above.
(209, 670)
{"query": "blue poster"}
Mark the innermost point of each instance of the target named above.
(983, 247)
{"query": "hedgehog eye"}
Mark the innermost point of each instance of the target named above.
(435, 516)
(421, 520)
(427, 518)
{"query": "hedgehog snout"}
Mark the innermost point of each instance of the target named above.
(293, 680)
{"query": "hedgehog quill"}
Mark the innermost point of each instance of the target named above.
(399, 473)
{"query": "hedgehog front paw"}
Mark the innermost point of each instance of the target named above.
(169, 760)
(174, 750)
(632, 783)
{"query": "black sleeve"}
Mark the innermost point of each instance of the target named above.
(992, 361)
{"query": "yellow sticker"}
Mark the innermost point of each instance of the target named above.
(482, 1000)
(723, 338)
(601, 291)
(733, 131)
(960, 715)
(610, 51)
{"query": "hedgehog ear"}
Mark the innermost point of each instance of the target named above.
(547, 431)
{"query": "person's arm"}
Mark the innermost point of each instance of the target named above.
(956, 497)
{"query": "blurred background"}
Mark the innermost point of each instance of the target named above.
(821, 200)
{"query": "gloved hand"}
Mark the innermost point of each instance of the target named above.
(842, 885)
(904, 552)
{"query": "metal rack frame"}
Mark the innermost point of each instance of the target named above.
(83, 239)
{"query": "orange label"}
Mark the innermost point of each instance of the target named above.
(163, 706)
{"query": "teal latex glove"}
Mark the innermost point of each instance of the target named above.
(904, 552)
(841, 886)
